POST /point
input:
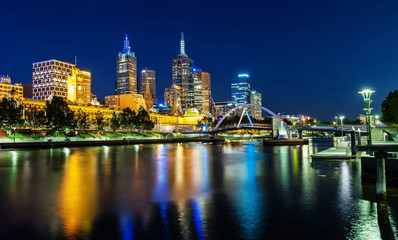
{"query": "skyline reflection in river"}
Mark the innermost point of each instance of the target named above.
(192, 191)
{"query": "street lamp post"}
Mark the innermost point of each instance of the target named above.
(341, 118)
(14, 134)
(366, 94)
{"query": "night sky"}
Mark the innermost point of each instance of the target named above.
(305, 57)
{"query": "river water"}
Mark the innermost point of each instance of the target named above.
(185, 191)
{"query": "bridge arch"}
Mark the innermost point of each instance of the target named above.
(246, 105)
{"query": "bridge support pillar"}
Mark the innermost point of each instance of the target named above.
(300, 134)
(381, 188)
(353, 152)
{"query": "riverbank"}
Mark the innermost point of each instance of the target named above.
(103, 142)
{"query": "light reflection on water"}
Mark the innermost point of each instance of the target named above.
(173, 191)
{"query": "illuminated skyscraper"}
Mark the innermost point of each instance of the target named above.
(182, 76)
(202, 90)
(126, 70)
(150, 77)
(240, 89)
(58, 78)
(255, 98)
(206, 92)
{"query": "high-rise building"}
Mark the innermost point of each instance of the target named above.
(54, 78)
(149, 76)
(255, 98)
(202, 90)
(197, 82)
(206, 92)
(182, 76)
(240, 90)
(79, 86)
(126, 70)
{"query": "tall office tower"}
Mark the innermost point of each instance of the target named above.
(255, 98)
(149, 76)
(240, 89)
(197, 82)
(79, 86)
(126, 70)
(50, 78)
(202, 90)
(206, 92)
(182, 76)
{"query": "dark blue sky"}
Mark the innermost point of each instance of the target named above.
(305, 57)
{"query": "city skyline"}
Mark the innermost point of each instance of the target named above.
(309, 58)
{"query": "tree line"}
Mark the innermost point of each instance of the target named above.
(58, 117)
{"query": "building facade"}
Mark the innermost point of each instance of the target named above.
(149, 76)
(50, 78)
(206, 92)
(126, 82)
(240, 89)
(119, 102)
(255, 98)
(79, 87)
(182, 76)
(7, 89)
(202, 90)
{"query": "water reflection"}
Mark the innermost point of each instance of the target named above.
(77, 198)
(190, 191)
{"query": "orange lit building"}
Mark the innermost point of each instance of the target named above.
(79, 86)
(119, 102)
(6, 87)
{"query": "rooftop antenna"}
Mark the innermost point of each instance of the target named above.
(75, 60)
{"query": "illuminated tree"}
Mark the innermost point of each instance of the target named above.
(58, 114)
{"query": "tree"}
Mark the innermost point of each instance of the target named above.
(115, 122)
(36, 118)
(81, 120)
(128, 119)
(10, 113)
(58, 114)
(99, 121)
(389, 109)
(144, 121)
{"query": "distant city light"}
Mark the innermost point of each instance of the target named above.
(243, 75)
(194, 69)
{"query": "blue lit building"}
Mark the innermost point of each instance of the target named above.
(183, 77)
(126, 70)
(240, 89)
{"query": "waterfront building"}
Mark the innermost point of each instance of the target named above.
(134, 101)
(6, 88)
(50, 78)
(79, 86)
(126, 82)
(255, 98)
(182, 76)
(149, 76)
(172, 97)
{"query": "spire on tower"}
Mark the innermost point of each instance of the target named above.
(182, 45)
(126, 44)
